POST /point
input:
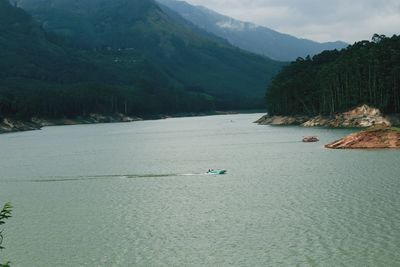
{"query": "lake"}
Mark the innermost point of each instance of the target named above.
(135, 194)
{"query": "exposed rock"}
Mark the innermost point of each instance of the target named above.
(12, 125)
(9, 125)
(318, 121)
(363, 111)
(310, 139)
(363, 117)
(117, 117)
(42, 122)
(281, 120)
(369, 139)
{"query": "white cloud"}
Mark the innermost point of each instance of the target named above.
(318, 20)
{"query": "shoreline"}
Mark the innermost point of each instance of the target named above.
(13, 125)
(378, 131)
(371, 138)
(359, 117)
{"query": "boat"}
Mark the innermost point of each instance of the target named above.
(310, 139)
(216, 172)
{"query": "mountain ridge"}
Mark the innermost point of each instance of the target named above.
(249, 36)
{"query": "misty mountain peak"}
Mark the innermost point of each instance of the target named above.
(236, 25)
(248, 36)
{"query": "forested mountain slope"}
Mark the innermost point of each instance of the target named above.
(137, 31)
(29, 52)
(72, 58)
(35, 66)
(42, 75)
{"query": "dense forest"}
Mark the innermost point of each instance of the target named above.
(333, 81)
(73, 58)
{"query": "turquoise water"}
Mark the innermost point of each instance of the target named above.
(135, 194)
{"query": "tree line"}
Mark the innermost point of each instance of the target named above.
(72, 101)
(367, 72)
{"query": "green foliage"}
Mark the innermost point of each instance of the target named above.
(5, 214)
(5, 265)
(334, 81)
(108, 56)
(83, 99)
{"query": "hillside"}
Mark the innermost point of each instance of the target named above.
(333, 81)
(248, 36)
(133, 32)
(35, 67)
(42, 75)
(27, 52)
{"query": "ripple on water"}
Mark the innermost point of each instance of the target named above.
(136, 195)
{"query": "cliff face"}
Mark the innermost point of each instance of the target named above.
(369, 139)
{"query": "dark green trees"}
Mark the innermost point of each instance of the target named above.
(71, 58)
(333, 81)
(5, 214)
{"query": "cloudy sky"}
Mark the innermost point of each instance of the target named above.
(324, 20)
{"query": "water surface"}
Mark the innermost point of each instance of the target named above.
(135, 194)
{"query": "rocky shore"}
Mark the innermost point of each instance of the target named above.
(370, 139)
(8, 125)
(380, 131)
(282, 120)
(360, 117)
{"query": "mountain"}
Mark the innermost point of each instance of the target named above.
(335, 81)
(132, 32)
(35, 68)
(28, 52)
(248, 36)
(42, 75)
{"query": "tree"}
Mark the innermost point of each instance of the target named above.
(335, 81)
(378, 38)
(5, 214)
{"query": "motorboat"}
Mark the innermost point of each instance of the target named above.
(216, 172)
